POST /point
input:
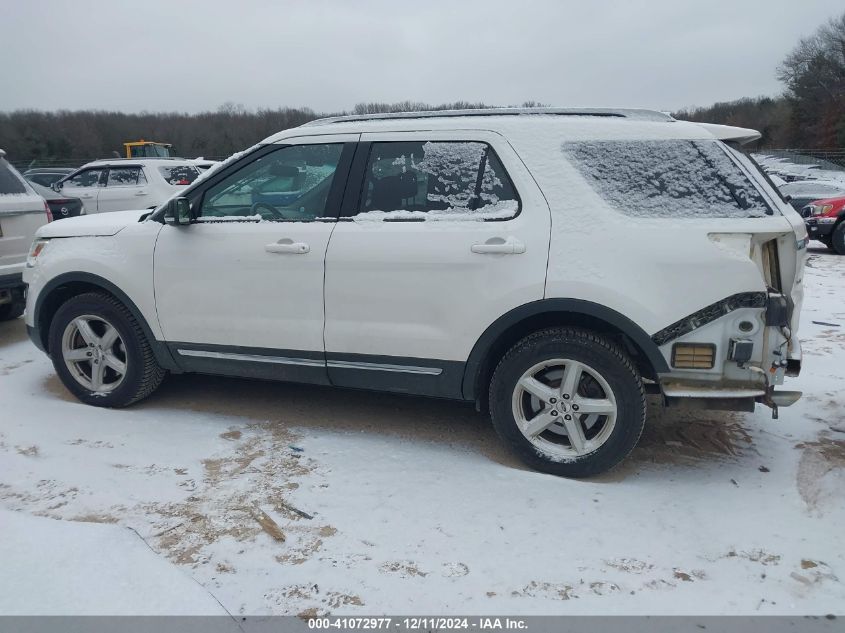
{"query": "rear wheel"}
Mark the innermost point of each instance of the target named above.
(837, 239)
(100, 352)
(568, 402)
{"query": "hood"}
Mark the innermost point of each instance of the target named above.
(91, 225)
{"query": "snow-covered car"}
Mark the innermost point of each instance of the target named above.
(121, 184)
(22, 212)
(803, 192)
(517, 258)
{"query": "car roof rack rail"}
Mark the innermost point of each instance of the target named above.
(625, 113)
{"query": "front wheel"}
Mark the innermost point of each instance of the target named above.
(100, 352)
(568, 402)
(837, 239)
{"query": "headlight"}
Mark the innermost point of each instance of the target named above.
(817, 210)
(34, 251)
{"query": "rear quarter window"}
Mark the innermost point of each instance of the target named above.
(668, 179)
(9, 182)
(179, 174)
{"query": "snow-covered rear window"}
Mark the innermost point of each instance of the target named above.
(672, 178)
(425, 180)
(179, 174)
(9, 183)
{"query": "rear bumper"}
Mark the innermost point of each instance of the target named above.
(12, 288)
(12, 280)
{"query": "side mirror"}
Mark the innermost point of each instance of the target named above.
(178, 212)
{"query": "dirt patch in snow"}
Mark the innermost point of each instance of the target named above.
(819, 459)
(672, 436)
(308, 600)
(255, 474)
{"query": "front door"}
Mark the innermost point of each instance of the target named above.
(86, 186)
(240, 290)
(448, 233)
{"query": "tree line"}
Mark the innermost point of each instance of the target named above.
(811, 112)
(810, 115)
(77, 136)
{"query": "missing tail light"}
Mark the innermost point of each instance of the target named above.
(771, 265)
(693, 355)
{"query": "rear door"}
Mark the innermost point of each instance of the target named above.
(126, 188)
(85, 185)
(441, 233)
(21, 213)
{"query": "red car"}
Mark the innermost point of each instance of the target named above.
(825, 220)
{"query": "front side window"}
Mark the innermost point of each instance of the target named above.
(426, 180)
(125, 176)
(667, 179)
(87, 178)
(290, 184)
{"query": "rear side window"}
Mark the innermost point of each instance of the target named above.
(9, 182)
(179, 174)
(424, 180)
(668, 179)
(126, 176)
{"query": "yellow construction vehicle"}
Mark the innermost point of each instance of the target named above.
(148, 149)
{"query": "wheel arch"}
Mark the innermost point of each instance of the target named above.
(66, 286)
(519, 322)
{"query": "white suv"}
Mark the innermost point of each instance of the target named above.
(22, 212)
(551, 265)
(121, 184)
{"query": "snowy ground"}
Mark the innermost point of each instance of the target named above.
(416, 507)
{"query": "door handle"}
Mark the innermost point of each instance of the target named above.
(288, 246)
(499, 245)
(86, 195)
(143, 192)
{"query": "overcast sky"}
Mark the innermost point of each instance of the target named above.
(193, 56)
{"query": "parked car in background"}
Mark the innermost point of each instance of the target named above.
(22, 212)
(803, 192)
(445, 254)
(121, 184)
(825, 221)
(46, 176)
(61, 206)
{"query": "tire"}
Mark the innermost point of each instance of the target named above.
(837, 239)
(9, 311)
(80, 337)
(608, 382)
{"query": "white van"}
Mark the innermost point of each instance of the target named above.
(551, 265)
